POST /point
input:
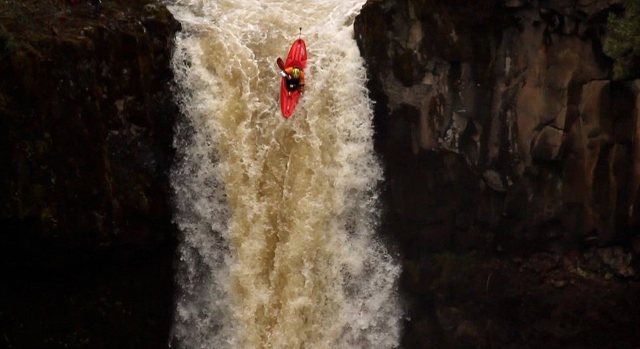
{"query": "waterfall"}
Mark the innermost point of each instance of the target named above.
(278, 217)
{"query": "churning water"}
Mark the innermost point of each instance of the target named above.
(278, 216)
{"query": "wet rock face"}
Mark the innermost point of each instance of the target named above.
(521, 93)
(87, 119)
(503, 134)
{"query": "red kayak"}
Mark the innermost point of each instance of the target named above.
(297, 58)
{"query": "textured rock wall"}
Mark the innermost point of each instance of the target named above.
(87, 120)
(86, 117)
(518, 95)
(511, 161)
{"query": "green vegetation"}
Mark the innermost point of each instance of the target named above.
(623, 40)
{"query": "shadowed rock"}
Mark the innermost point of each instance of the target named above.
(505, 136)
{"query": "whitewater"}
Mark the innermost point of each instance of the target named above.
(278, 218)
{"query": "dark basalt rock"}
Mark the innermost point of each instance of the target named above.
(86, 118)
(511, 155)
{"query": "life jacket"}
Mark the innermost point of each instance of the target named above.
(293, 83)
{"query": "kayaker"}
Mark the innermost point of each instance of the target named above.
(295, 78)
(292, 76)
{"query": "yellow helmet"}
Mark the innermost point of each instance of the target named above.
(295, 73)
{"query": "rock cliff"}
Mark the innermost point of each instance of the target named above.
(513, 166)
(86, 118)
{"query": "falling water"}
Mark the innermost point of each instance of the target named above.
(278, 217)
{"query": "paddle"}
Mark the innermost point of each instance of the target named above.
(280, 63)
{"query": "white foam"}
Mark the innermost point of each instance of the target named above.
(278, 216)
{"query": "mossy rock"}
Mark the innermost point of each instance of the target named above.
(623, 41)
